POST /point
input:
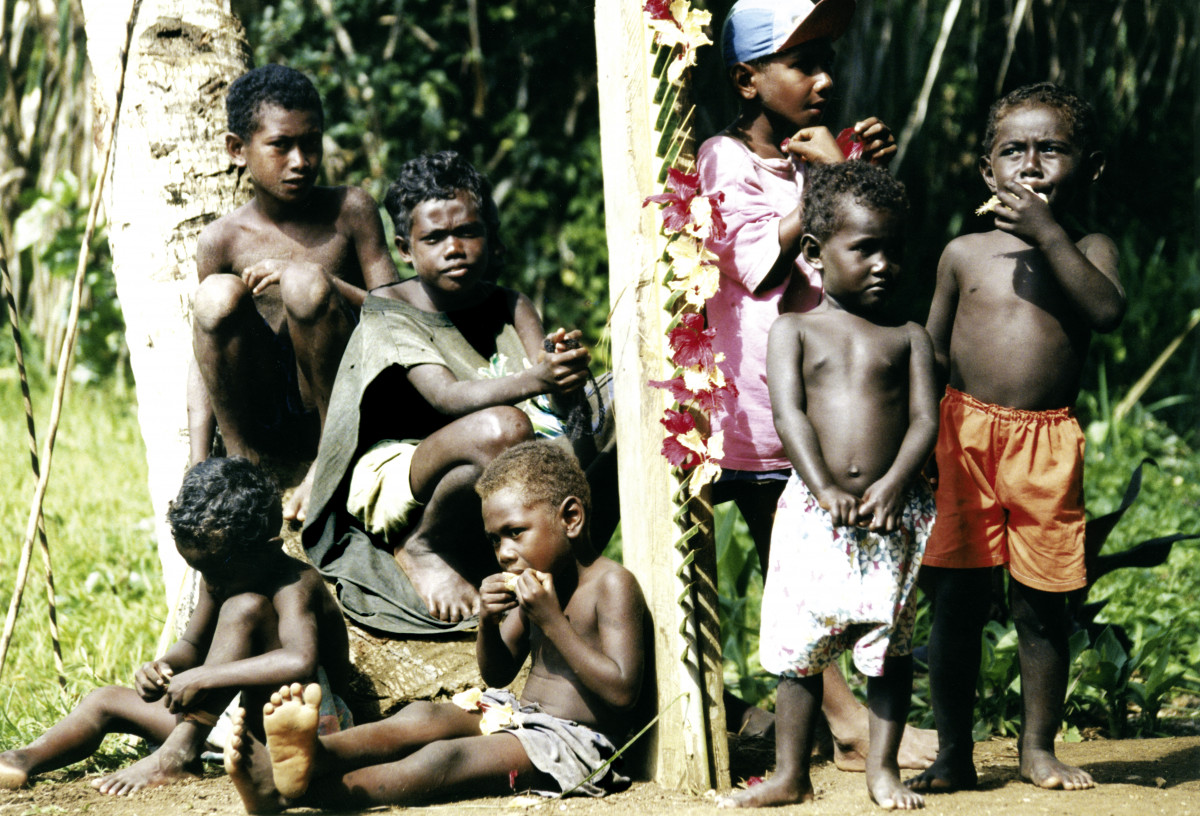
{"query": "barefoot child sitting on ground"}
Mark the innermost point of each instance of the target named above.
(1011, 319)
(855, 402)
(262, 619)
(281, 280)
(578, 614)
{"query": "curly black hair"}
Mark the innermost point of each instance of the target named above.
(269, 85)
(827, 184)
(226, 505)
(541, 471)
(1080, 115)
(441, 176)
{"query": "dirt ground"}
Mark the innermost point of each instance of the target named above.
(1141, 777)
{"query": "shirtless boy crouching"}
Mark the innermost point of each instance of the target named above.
(1011, 320)
(578, 614)
(262, 618)
(281, 280)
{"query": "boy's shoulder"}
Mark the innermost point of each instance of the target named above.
(613, 582)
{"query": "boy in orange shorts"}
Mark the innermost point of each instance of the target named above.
(1012, 317)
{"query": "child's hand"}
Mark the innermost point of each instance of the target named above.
(1023, 212)
(815, 145)
(185, 691)
(264, 273)
(152, 679)
(881, 507)
(879, 145)
(562, 366)
(842, 506)
(495, 598)
(536, 595)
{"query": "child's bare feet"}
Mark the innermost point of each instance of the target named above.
(918, 749)
(249, 768)
(290, 720)
(160, 768)
(1045, 770)
(774, 792)
(889, 792)
(447, 595)
(945, 776)
(12, 775)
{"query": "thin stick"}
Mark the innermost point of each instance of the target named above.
(917, 117)
(18, 348)
(68, 347)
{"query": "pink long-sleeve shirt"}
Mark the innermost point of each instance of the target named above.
(758, 193)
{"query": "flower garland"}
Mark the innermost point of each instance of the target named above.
(688, 220)
(675, 23)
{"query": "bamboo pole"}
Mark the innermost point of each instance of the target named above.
(64, 359)
(27, 401)
(921, 108)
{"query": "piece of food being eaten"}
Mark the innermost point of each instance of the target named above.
(510, 579)
(992, 203)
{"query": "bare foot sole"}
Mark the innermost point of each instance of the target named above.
(249, 768)
(1044, 769)
(942, 778)
(772, 793)
(290, 720)
(918, 750)
(11, 777)
(447, 595)
(889, 792)
(150, 772)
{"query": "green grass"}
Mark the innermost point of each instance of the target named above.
(107, 577)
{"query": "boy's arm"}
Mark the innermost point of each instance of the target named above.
(785, 381)
(554, 373)
(502, 640)
(378, 268)
(1087, 272)
(534, 338)
(940, 321)
(883, 498)
(613, 672)
(294, 660)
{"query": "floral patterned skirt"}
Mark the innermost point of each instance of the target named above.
(831, 589)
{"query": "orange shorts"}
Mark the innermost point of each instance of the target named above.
(1010, 491)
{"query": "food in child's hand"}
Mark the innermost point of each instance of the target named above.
(992, 203)
(850, 143)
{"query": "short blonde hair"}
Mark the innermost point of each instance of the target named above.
(540, 471)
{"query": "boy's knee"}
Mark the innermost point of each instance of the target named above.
(217, 300)
(306, 291)
(500, 428)
(246, 609)
(105, 700)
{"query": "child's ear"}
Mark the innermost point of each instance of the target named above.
(1094, 165)
(402, 247)
(742, 76)
(574, 517)
(235, 147)
(810, 248)
(985, 170)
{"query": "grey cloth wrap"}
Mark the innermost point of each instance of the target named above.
(372, 589)
(563, 749)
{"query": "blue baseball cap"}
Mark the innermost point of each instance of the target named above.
(759, 28)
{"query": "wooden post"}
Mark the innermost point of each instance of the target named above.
(677, 573)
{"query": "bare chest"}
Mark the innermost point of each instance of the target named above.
(323, 245)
